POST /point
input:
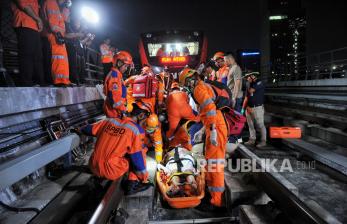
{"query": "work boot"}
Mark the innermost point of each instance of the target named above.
(204, 207)
(261, 144)
(134, 186)
(250, 142)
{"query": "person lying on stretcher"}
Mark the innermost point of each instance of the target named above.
(179, 171)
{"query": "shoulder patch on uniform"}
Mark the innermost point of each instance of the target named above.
(114, 74)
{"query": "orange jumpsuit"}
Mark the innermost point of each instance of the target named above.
(222, 74)
(215, 155)
(177, 108)
(181, 137)
(60, 64)
(115, 92)
(117, 138)
(130, 99)
(155, 139)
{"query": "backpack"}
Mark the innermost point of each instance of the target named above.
(235, 122)
(145, 87)
(223, 95)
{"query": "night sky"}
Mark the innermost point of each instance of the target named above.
(229, 25)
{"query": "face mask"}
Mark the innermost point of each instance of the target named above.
(150, 130)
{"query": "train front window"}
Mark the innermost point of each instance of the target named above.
(173, 49)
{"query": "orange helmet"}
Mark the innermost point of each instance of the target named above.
(174, 85)
(152, 121)
(185, 73)
(218, 55)
(123, 56)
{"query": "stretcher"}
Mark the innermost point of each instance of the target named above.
(190, 201)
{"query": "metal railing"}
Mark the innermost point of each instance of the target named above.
(324, 65)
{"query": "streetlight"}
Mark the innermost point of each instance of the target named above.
(90, 15)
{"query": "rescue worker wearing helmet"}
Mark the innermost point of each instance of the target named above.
(178, 108)
(150, 124)
(119, 148)
(222, 73)
(154, 138)
(114, 87)
(216, 134)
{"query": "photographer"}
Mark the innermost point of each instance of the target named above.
(76, 40)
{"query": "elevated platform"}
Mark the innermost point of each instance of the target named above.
(24, 99)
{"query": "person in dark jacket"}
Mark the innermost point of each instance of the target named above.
(255, 109)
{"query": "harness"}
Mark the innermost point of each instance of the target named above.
(176, 159)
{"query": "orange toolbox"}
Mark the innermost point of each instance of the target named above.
(285, 132)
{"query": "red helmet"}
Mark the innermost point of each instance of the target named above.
(218, 55)
(123, 56)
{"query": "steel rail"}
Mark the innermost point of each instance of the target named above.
(108, 203)
(288, 200)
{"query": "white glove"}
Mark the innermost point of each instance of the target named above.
(213, 137)
(198, 135)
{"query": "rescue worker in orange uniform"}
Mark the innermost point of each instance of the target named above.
(106, 56)
(116, 139)
(178, 108)
(53, 10)
(28, 25)
(114, 87)
(216, 134)
(183, 136)
(222, 73)
(153, 132)
(152, 129)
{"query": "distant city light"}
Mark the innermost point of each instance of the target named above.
(90, 15)
(279, 17)
(250, 53)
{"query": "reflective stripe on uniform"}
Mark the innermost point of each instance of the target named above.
(58, 57)
(61, 76)
(52, 11)
(117, 104)
(216, 189)
(132, 128)
(58, 28)
(158, 153)
(205, 103)
(211, 113)
(158, 142)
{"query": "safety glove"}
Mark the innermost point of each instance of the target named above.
(213, 135)
(158, 157)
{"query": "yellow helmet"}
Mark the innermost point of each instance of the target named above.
(152, 123)
(185, 73)
(218, 55)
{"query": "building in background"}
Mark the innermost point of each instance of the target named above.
(287, 39)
